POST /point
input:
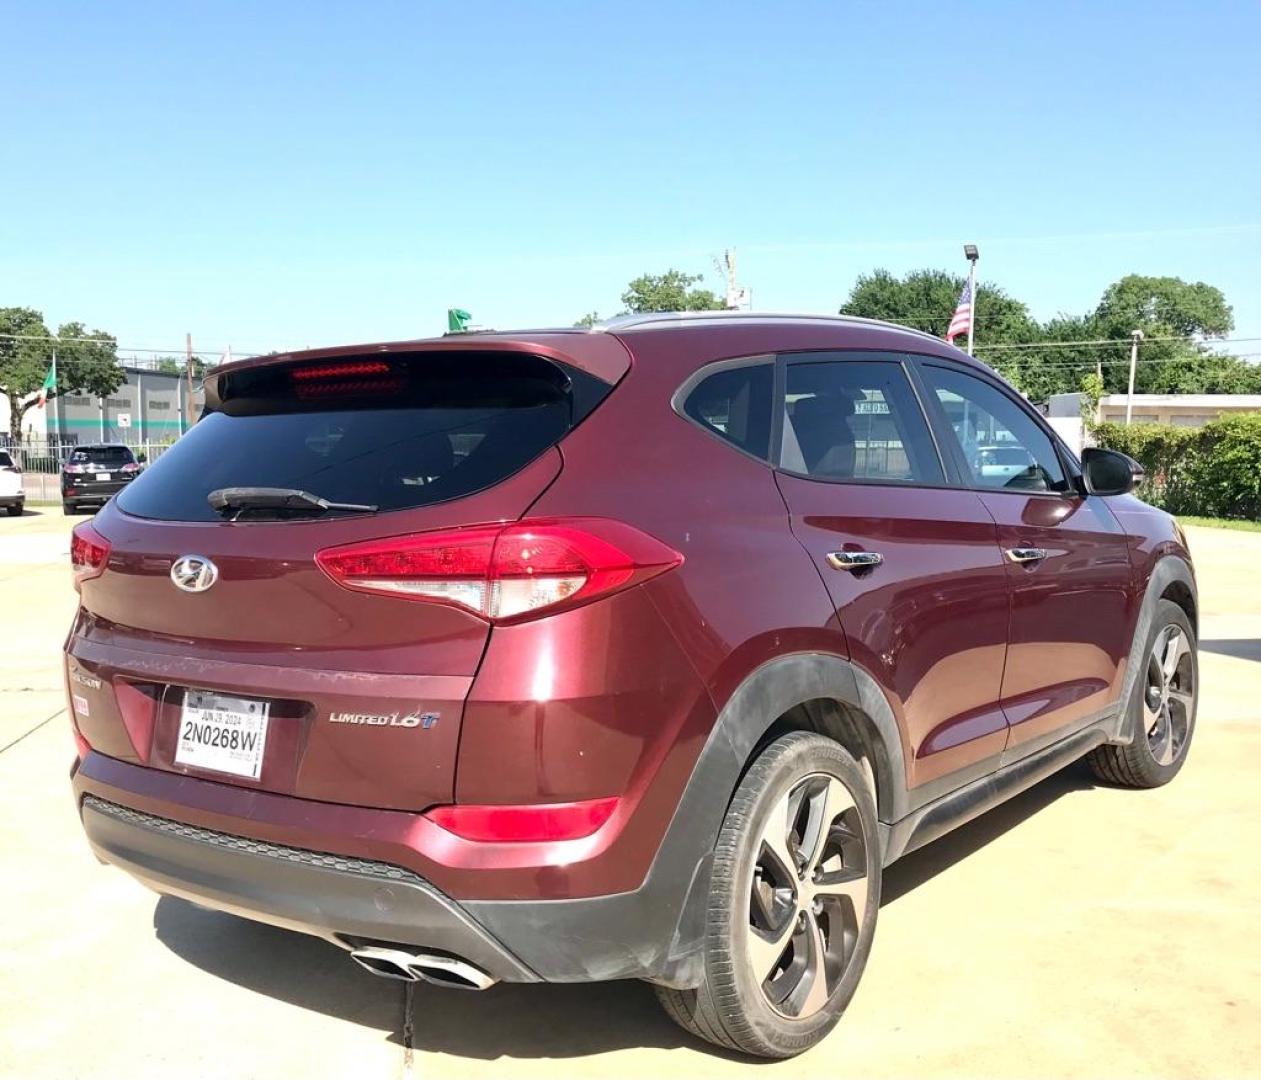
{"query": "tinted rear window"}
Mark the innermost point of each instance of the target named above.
(102, 455)
(392, 432)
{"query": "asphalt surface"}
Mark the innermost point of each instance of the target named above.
(1076, 931)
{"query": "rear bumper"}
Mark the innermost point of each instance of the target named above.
(92, 492)
(333, 897)
(15, 499)
(338, 872)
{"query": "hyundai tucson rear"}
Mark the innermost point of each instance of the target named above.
(572, 656)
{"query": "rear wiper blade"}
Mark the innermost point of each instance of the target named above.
(241, 500)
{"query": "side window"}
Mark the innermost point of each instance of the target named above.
(856, 420)
(1003, 447)
(736, 405)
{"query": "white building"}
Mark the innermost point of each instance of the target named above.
(1182, 410)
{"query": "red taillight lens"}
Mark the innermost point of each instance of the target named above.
(80, 743)
(75, 470)
(524, 824)
(504, 572)
(89, 552)
(129, 468)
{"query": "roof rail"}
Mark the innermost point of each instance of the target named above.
(694, 318)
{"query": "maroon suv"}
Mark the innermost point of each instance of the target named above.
(635, 652)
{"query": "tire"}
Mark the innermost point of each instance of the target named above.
(69, 508)
(832, 914)
(1161, 735)
(15, 510)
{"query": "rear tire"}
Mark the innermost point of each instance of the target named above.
(804, 801)
(69, 508)
(1162, 707)
(15, 510)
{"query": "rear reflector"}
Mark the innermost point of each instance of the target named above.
(523, 824)
(504, 572)
(89, 552)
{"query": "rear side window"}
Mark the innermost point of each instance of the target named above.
(736, 405)
(856, 420)
(395, 432)
(6, 462)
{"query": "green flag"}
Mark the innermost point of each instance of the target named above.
(457, 320)
(50, 382)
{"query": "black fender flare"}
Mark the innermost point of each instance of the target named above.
(656, 932)
(1168, 570)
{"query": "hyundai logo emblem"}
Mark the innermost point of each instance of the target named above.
(194, 573)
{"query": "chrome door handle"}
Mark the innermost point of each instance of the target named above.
(1026, 554)
(854, 560)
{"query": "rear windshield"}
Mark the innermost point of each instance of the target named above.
(390, 432)
(102, 455)
(6, 462)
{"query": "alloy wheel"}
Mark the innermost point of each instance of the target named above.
(808, 895)
(1169, 694)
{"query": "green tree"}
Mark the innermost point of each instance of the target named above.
(589, 319)
(86, 361)
(671, 291)
(926, 300)
(177, 365)
(1162, 308)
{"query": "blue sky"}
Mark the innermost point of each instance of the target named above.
(280, 174)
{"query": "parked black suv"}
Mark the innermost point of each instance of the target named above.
(93, 473)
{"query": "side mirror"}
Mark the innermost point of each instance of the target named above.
(1109, 472)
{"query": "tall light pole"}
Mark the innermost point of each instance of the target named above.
(1135, 337)
(971, 254)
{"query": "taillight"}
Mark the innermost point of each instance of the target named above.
(130, 468)
(89, 552)
(504, 572)
(75, 470)
(524, 824)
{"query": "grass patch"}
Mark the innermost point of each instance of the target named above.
(1221, 523)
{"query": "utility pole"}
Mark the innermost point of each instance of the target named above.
(738, 298)
(971, 253)
(188, 372)
(1135, 337)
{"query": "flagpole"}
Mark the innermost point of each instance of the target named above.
(972, 254)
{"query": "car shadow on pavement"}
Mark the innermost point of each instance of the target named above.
(1239, 648)
(510, 1021)
(927, 862)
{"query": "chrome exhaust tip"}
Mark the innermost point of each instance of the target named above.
(387, 963)
(448, 971)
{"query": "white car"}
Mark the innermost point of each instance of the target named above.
(1003, 461)
(12, 496)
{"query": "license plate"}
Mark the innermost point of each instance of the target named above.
(102, 477)
(221, 733)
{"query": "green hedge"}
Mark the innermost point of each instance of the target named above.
(1213, 471)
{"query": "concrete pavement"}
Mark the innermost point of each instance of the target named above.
(1075, 931)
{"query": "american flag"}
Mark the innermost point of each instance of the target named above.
(961, 321)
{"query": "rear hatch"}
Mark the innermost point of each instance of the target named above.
(213, 644)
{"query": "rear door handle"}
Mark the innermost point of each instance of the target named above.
(1026, 554)
(854, 560)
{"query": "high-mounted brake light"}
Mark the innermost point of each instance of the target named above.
(504, 572)
(353, 370)
(524, 824)
(89, 552)
(346, 379)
